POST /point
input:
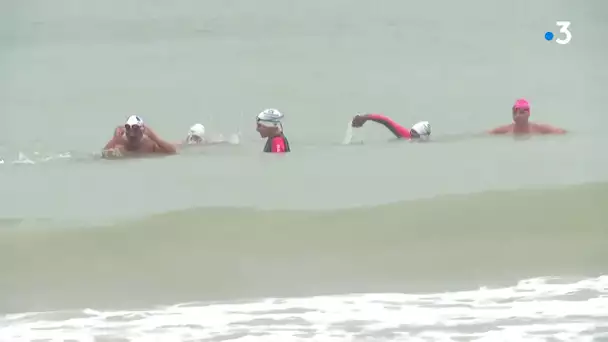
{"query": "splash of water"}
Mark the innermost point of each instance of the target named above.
(348, 135)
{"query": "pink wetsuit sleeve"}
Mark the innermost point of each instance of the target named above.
(397, 129)
(277, 145)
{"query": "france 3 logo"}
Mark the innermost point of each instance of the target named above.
(565, 34)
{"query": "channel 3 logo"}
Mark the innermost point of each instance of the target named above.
(564, 28)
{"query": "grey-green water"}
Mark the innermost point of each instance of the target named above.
(217, 254)
(79, 231)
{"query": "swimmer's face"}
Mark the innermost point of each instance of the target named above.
(134, 133)
(266, 131)
(416, 137)
(195, 139)
(521, 115)
(414, 134)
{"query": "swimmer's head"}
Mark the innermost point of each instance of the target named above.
(421, 130)
(269, 123)
(521, 111)
(134, 129)
(196, 134)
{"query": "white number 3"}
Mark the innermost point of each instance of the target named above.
(563, 28)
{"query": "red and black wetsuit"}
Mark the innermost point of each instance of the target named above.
(398, 130)
(277, 144)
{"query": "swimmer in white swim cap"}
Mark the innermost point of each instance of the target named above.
(421, 131)
(270, 125)
(196, 134)
(136, 137)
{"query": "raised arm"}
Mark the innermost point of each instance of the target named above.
(398, 130)
(162, 146)
(116, 138)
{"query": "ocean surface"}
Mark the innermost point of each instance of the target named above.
(466, 238)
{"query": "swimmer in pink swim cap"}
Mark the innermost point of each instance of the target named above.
(521, 123)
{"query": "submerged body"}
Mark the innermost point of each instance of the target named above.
(528, 128)
(277, 144)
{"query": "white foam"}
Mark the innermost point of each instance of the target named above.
(532, 310)
(348, 135)
(234, 139)
(23, 159)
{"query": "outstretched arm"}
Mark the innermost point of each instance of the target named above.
(501, 130)
(398, 130)
(548, 129)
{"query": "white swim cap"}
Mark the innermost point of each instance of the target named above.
(197, 130)
(270, 117)
(134, 120)
(423, 128)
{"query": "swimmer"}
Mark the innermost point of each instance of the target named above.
(196, 135)
(269, 126)
(137, 138)
(421, 131)
(521, 125)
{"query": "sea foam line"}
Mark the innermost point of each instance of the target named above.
(532, 310)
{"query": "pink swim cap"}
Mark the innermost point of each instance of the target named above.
(521, 104)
